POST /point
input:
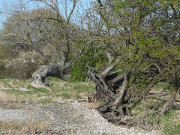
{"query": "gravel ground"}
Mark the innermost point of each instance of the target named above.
(22, 115)
(97, 125)
(68, 118)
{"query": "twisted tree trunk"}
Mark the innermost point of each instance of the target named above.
(106, 86)
(56, 70)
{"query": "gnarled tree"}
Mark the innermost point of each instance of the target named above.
(60, 68)
(147, 51)
(49, 34)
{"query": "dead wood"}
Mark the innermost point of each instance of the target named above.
(169, 104)
(103, 90)
(113, 106)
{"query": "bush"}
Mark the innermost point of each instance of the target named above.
(90, 59)
(78, 71)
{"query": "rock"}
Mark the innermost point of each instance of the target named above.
(24, 89)
(82, 100)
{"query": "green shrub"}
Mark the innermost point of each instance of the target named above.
(89, 59)
(78, 71)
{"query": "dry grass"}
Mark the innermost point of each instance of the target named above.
(21, 127)
(4, 97)
(58, 89)
(91, 105)
(176, 119)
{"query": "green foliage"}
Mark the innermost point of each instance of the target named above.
(78, 71)
(145, 45)
(90, 58)
(171, 129)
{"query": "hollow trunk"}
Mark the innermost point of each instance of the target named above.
(39, 76)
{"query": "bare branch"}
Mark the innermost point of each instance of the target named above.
(109, 69)
(101, 12)
(109, 57)
(46, 3)
(175, 12)
(153, 65)
(72, 10)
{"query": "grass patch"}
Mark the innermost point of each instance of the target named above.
(169, 126)
(45, 100)
(164, 122)
(58, 89)
(4, 97)
(21, 127)
(151, 109)
(1, 77)
(73, 90)
(163, 85)
(171, 129)
(65, 95)
(9, 83)
(141, 108)
(77, 96)
(53, 79)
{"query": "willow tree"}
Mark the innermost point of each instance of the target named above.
(142, 40)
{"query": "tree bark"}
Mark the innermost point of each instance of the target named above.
(39, 77)
(106, 86)
(120, 100)
(115, 105)
(103, 89)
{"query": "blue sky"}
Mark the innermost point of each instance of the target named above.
(10, 5)
(5, 5)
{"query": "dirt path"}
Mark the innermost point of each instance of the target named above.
(65, 117)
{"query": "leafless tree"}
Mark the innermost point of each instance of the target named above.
(50, 34)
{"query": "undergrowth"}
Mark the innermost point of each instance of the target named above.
(166, 123)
